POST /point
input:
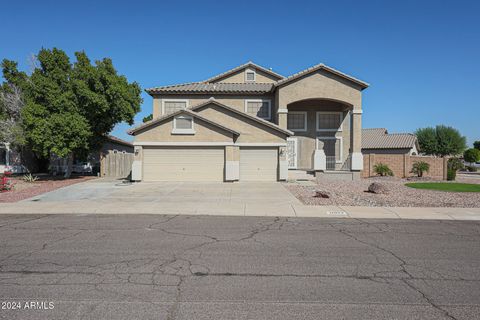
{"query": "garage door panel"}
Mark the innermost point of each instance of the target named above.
(183, 164)
(258, 164)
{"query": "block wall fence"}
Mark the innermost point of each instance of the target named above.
(401, 165)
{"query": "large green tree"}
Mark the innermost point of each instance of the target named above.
(441, 141)
(71, 107)
(476, 145)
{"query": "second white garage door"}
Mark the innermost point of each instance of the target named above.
(183, 164)
(258, 164)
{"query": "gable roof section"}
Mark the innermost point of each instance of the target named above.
(317, 67)
(379, 138)
(114, 139)
(243, 114)
(187, 111)
(202, 87)
(244, 66)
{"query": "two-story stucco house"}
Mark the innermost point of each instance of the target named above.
(252, 124)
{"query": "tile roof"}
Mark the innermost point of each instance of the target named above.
(202, 87)
(243, 66)
(118, 140)
(379, 138)
(171, 115)
(319, 66)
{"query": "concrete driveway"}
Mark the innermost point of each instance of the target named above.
(178, 197)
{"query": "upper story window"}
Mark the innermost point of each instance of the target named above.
(297, 121)
(329, 121)
(183, 124)
(173, 105)
(259, 108)
(250, 75)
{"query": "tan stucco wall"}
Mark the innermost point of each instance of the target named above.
(239, 77)
(234, 101)
(204, 132)
(319, 85)
(250, 130)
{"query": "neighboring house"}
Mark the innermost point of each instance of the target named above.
(16, 160)
(379, 141)
(252, 124)
(112, 145)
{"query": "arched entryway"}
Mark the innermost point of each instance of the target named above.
(319, 124)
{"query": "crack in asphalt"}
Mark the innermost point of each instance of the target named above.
(163, 271)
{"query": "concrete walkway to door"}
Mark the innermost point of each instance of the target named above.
(229, 199)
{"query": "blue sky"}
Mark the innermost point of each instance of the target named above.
(422, 58)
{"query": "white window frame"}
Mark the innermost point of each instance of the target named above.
(254, 75)
(304, 117)
(260, 100)
(174, 100)
(340, 116)
(183, 131)
(332, 138)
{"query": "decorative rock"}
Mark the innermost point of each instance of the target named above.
(322, 194)
(377, 188)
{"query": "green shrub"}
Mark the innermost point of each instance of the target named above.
(472, 169)
(453, 165)
(382, 170)
(471, 155)
(420, 167)
(29, 178)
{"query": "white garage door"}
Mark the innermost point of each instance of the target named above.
(183, 164)
(258, 164)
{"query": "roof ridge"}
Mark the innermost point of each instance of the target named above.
(318, 67)
(249, 63)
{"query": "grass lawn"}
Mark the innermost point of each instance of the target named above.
(445, 186)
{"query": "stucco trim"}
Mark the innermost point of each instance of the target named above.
(181, 144)
(261, 144)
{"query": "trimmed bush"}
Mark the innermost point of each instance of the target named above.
(453, 165)
(382, 170)
(420, 167)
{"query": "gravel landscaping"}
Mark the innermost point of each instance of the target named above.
(23, 190)
(354, 193)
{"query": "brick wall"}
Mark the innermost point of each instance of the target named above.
(401, 165)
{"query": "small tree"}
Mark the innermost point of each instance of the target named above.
(441, 141)
(382, 170)
(471, 155)
(476, 145)
(420, 167)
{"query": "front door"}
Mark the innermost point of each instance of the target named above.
(292, 149)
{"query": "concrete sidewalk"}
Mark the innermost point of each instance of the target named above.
(237, 209)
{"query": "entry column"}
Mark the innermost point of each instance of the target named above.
(357, 157)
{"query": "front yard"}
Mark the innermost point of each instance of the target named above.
(355, 193)
(23, 190)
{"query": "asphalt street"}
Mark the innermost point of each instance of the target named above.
(213, 267)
